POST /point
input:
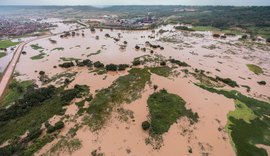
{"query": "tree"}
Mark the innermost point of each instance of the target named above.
(98, 64)
(136, 62)
(111, 67)
(137, 47)
(145, 125)
(122, 67)
(216, 35)
(41, 73)
(163, 63)
(155, 87)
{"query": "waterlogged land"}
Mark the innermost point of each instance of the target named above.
(154, 92)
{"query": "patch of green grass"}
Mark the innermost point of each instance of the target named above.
(36, 47)
(124, 90)
(38, 57)
(249, 124)
(255, 69)
(2, 54)
(242, 112)
(165, 108)
(58, 49)
(161, 71)
(14, 92)
(7, 43)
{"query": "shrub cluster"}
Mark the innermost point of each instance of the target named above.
(66, 65)
(57, 126)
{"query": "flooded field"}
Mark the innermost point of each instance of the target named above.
(122, 132)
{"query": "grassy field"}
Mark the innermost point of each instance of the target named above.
(124, 90)
(248, 124)
(14, 92)
(255, 69)
(7, 43)
(165, 108)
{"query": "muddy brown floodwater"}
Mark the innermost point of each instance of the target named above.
(208, 136)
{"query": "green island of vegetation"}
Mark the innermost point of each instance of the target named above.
(248, 125)
(165, 109)
(7, 43)
(255, 69)
(39, 56)
(36, 47)
(124, 90)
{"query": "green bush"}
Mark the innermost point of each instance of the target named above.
(111, 67)
(261, 83)
(66, 65)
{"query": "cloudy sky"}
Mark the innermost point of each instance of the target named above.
(136, 2)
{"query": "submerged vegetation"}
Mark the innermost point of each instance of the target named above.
(39, 56)
(165, 109)
(248, 124)
(161, 71)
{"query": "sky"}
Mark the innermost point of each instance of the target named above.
(137, 2)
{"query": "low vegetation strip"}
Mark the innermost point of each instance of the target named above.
(124, 90)
(248, 124)
(7, 43)
(165, 108)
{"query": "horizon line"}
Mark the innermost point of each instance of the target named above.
(134, 5)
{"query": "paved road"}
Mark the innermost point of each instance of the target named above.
(11, 66)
